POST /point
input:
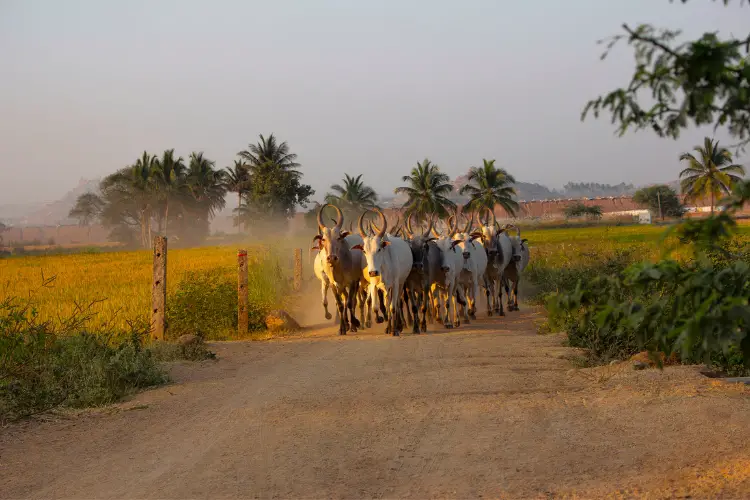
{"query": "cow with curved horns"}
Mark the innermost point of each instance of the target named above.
(474, 267)
(343, 268)
(519, 261)
(444, 263)
(417, 287)
(499, 250)
(388, 264)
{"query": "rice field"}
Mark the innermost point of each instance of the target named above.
(120, 282)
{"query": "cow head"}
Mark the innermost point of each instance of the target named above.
(418, 243)
(331, 239)
(374, 246)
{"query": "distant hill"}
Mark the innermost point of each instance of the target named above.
(54, 213)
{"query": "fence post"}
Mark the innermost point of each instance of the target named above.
(297, 269)
(242, 318)
(159, 290)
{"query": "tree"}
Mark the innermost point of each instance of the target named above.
(489, 186)
(237, 179)
(87, 209)
(158, 189)
(275, 182)
(660, 199)
(169, 179)
(710, 173)
(705, 81)
(427, 188)
(353, 197)
(579, 210)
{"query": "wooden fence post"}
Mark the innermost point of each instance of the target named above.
(297, 269)
(159, 290)
(242, 319)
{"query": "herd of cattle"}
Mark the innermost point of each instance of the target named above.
(428, 271)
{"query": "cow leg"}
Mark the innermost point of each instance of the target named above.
(379, 307)
(324, 292)
(341, 312)
(474, 297)
(413, 297)
(352, 306)
(487, 293)
(406, 301)
(396, 312)
(500, 285)
(461, 300)
(508, 296)
(447, 318)
(424, 297)
(362, 298)
(515, 294)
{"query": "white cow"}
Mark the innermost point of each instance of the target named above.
(389, 262)
(343, 268)
(444, 263)
(499, 249)
(473, 269)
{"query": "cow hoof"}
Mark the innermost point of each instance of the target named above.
(502, 313)
(396, 333)
(328, 315)
(458, 323)
(356, 323)
(368, 324)
(415, 331)
(378, 319)
(353, 329)
(424, 327)
(449, 326)
(489, 314)
(472, 316)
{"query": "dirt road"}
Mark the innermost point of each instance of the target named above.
(487, 410)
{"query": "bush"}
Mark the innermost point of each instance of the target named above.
(205, 302)
(42, 368)
(580, 209)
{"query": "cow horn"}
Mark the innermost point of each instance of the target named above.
(451, 228)
(429, 227)
(361, 224)
(434, 230)
(409, 230)
(467, 227)
(382, 230)
(321, 224)
(339, 217)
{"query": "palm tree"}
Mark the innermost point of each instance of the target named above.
(427, 188)
(489, 186)
(206, 184)
(268, 152)
(353, 196)
(711, 172)
(169, 179)
(237, 180)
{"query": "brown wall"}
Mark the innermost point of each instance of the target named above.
(61, 235)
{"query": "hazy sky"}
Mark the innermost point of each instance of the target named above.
(354, 86)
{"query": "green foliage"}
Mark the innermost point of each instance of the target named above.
(660, 198)
(579, 209)
(710, 173)
(43, 367)
(428, 189)
(489, 186)
(353, 196)
(706, 81)
(168, 351)
(157, 196)
(274, 187)
(205, 302)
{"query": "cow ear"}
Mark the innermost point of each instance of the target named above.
(430, 239)
(357, 247)
(314, 248)
(476, 235)
(318, 237)
(344, 235)
(385, 244)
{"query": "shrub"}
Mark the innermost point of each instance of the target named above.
(42, 367)
(205, 302)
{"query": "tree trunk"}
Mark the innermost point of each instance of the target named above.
(166, 217)
(239, 206)
(712, 202)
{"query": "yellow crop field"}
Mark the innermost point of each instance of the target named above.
(120, 280)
